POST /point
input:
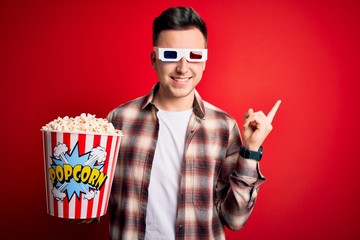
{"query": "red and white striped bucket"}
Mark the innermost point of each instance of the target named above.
(79, 170)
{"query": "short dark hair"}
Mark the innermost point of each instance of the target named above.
(178, 18)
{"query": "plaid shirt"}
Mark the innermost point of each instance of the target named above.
(217, 186)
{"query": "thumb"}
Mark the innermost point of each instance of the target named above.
(248, 113)
(248, 123)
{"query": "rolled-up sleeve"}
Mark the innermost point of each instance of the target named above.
(242, 187)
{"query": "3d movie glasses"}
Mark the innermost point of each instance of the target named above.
(175, 54)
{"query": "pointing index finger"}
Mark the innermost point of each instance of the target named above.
(272, 112)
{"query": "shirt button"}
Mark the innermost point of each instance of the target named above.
(180, 227)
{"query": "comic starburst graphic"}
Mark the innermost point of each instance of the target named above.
(94, 159)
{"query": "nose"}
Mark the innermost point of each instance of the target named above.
(182, 66)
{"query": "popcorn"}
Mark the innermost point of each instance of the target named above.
(83, 123)
(80, 156)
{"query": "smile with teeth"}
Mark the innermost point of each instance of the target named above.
(181, 79)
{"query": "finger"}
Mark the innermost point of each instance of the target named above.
(272, 112)
(86, 221)
(255, 119)
(248, 113)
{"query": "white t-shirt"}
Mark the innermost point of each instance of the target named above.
(165, 175)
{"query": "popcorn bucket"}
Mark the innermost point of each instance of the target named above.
(79, 170)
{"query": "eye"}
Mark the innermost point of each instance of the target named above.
(170, 54)
(195, 55)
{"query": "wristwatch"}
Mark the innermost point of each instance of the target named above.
(255, 155)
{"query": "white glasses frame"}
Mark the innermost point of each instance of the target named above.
(181, 52)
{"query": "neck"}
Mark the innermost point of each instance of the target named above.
(174, 104)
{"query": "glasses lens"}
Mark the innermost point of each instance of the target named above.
(170, 54)
(195, 55)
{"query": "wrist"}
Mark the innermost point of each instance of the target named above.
(250, 153)
(252, 147)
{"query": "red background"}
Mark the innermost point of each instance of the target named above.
(67, 57)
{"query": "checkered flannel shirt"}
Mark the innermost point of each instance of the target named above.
(217, 187)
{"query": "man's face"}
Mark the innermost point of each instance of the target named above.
(179, 79)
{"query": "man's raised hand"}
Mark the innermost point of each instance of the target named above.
(257, 126)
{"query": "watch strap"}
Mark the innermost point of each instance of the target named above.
(255, 155)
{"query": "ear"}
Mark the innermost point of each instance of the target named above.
(153, 59)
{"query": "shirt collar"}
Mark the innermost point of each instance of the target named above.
(198, 105)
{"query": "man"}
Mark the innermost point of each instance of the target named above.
(183, 170)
